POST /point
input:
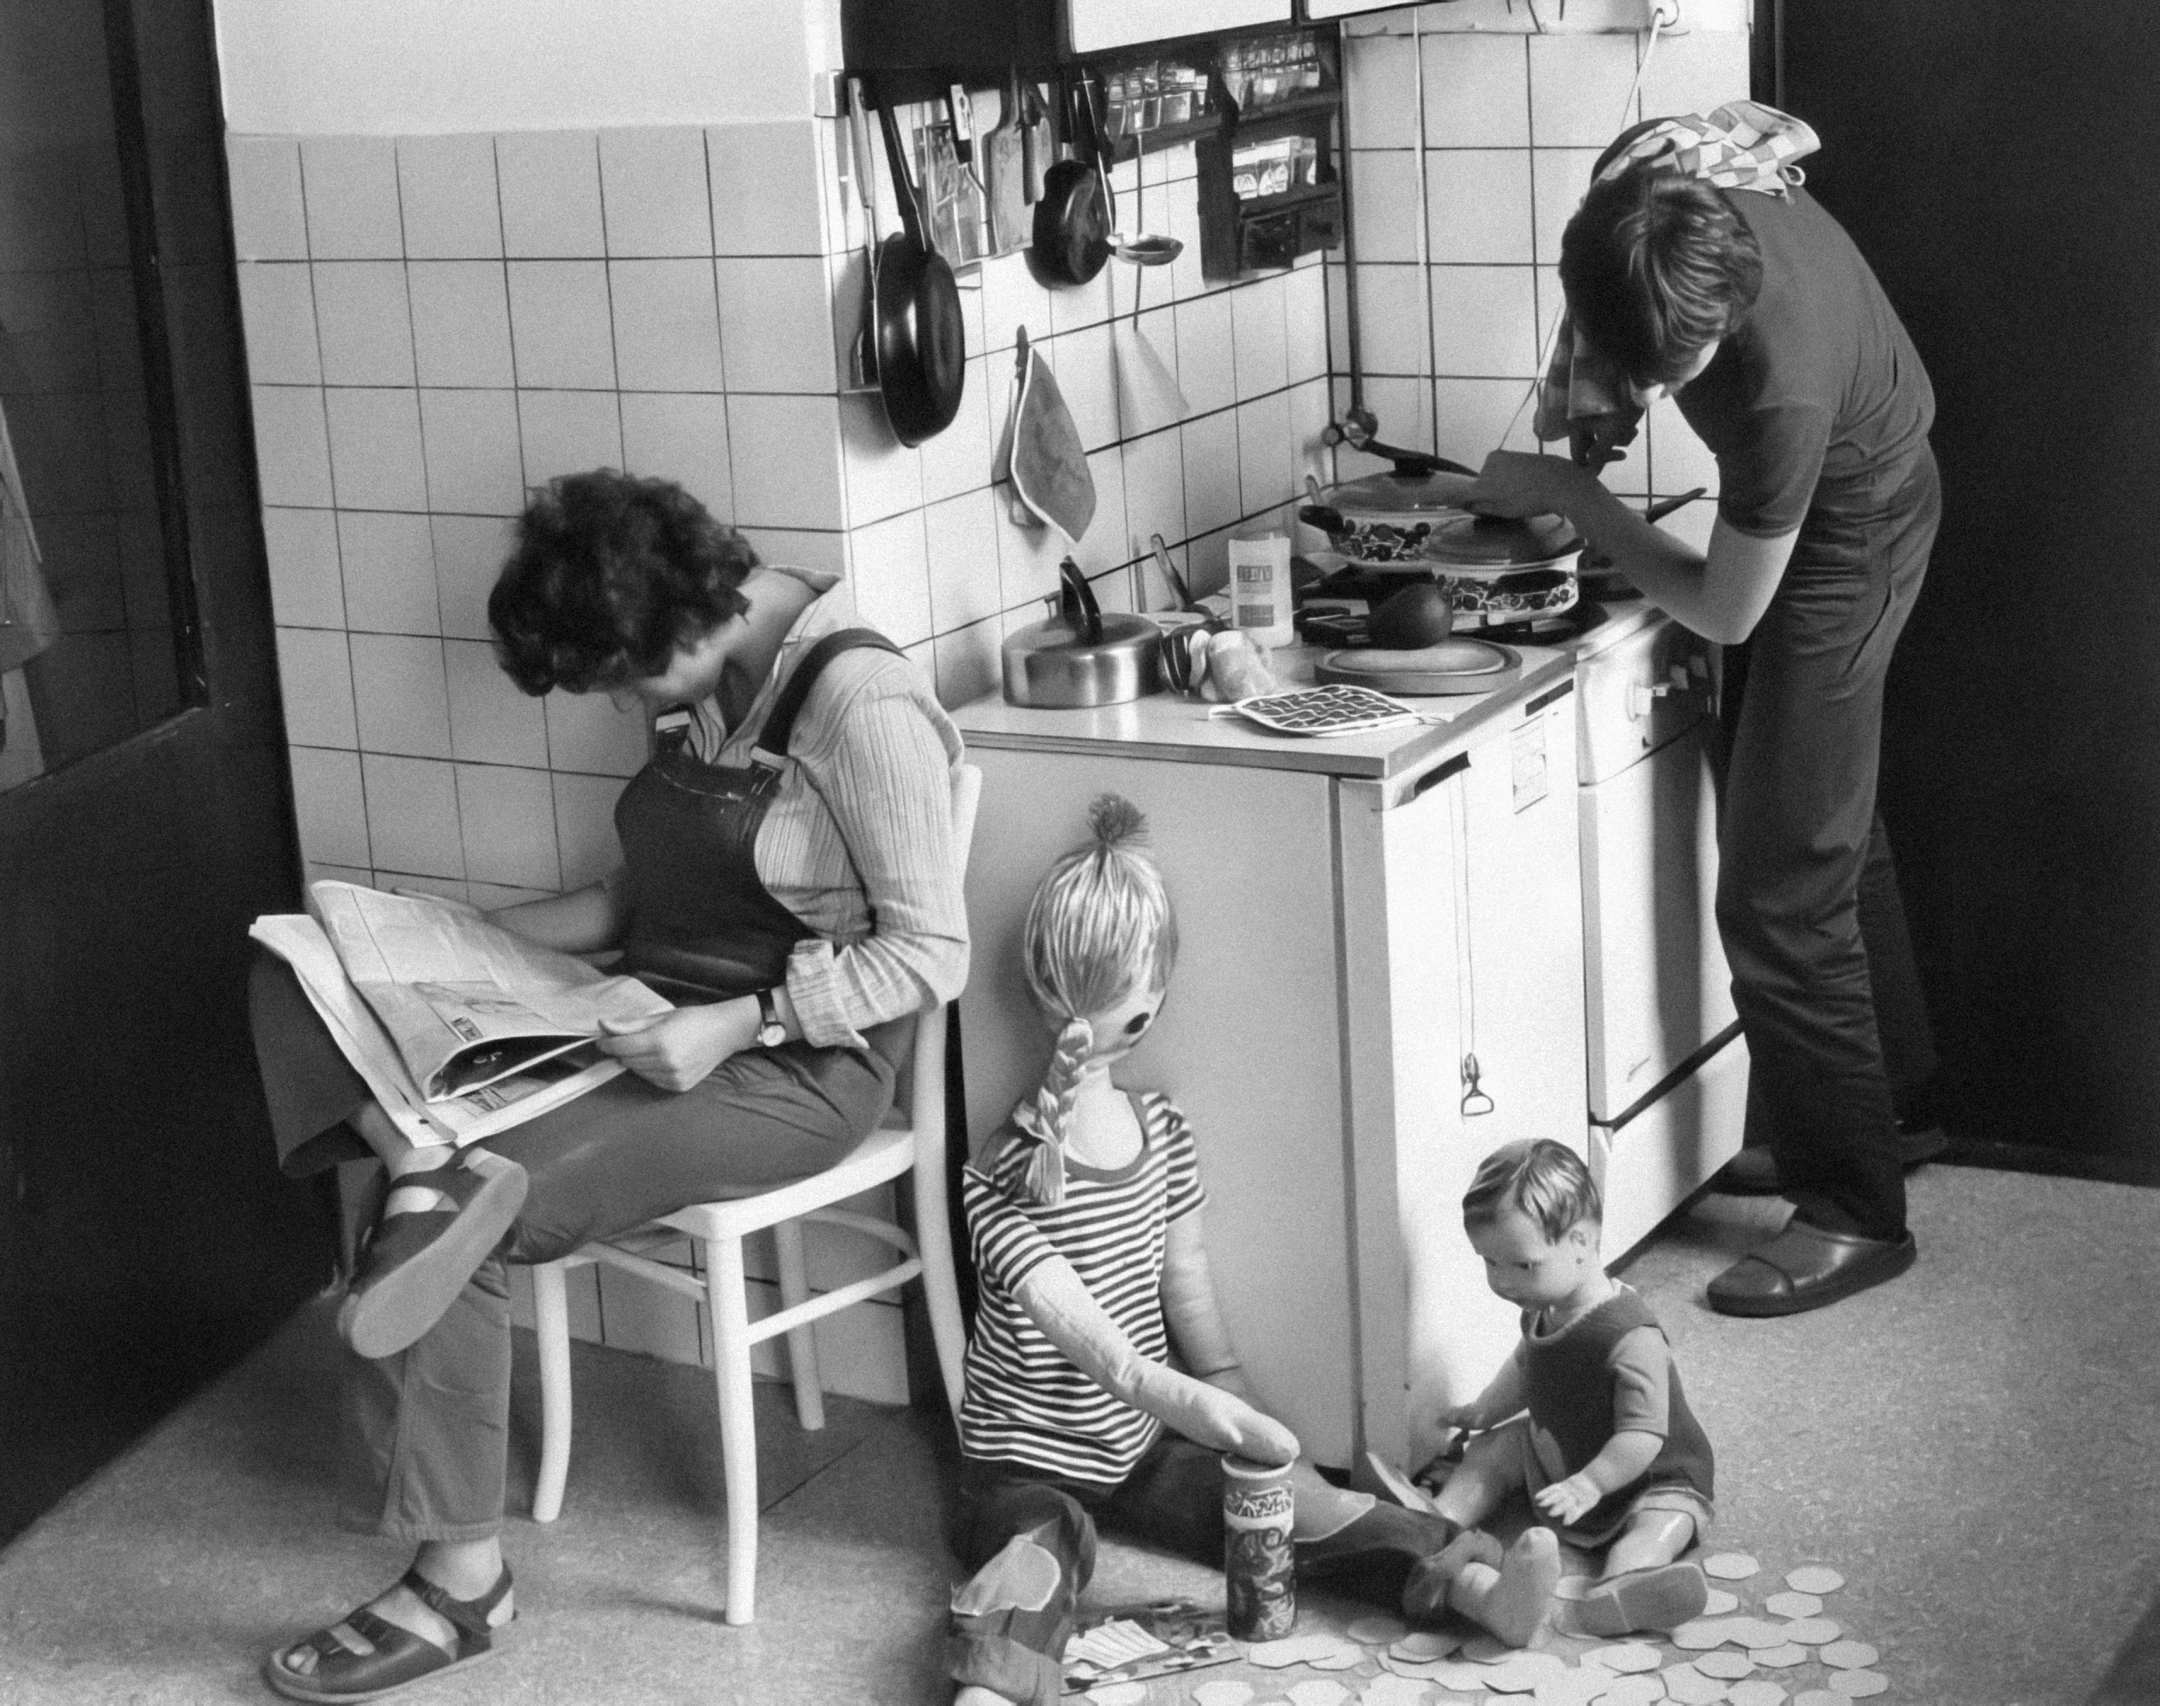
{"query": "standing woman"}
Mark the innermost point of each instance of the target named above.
(788, 879)
(1695, 266)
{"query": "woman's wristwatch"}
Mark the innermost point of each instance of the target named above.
(771, 1033)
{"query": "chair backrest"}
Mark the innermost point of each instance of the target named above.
(926, 1058)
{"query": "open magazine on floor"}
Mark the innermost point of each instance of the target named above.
(458, 1027)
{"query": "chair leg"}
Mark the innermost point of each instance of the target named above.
(941, 1285)
(802, 1342)
(551, 1321)
(726, 1295)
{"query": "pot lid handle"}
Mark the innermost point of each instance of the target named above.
(1076, 602)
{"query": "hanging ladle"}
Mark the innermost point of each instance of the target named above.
(1140, 248)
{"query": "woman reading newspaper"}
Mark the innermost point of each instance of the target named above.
(788, 878)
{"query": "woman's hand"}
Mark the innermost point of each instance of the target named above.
(1568, 1501)
(1463, 1418)
(1515, 483)
(680, 1049)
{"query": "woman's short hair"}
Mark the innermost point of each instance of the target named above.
(1537, 1177)
(610, 574)
(1656, 266)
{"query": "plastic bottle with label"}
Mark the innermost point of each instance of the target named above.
(1260, 601)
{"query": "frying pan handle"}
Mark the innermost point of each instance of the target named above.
(1356, 430)
(865, 172)
(1076, 602)
(904, 191)
(1665, 506)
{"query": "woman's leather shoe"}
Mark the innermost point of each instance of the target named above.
(419, 1260)
(1805, 1267)
(1754, 1172)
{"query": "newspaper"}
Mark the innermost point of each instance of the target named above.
(458, 1028)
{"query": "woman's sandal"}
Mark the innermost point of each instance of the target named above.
(367, 1656)
(418, 1261)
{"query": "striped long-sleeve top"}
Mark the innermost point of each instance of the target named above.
(858, 841)
(1024, 1401)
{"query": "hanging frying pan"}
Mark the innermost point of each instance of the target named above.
(1073, 215)
(921, 339)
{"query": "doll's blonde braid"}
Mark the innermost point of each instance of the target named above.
(1044, 1181)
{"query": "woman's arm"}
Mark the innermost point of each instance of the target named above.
(1720, 596)
(583, 921)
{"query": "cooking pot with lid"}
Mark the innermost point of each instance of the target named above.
(1081, 657)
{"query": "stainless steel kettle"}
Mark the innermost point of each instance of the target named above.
(1081, 657)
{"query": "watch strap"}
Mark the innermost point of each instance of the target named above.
(771, 1032)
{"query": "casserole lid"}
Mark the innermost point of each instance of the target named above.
(1419, 495)
(1500, 542)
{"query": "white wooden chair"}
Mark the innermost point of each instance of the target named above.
(911, 1141)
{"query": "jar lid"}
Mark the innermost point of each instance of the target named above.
(1400, 494)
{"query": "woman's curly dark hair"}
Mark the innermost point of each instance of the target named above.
(610, 574)
(1655, 267)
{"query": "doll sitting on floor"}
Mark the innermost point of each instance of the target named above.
(1084, 1218)
(1587, 1415)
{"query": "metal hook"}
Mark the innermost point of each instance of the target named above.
(1474, 1100)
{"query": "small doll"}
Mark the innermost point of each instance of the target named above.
(1587, 1415)
(1084, 1217)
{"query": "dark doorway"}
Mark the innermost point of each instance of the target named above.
(145, 1243)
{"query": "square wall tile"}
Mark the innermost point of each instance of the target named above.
(412, 815)
(1560, 177)
(1305, 323)
(585, 827)
(884, 476)
(681, 436)
(1028, 555)
(452, 208)
(351, 185)
(506, 817)
(560, 326)
(473, 462)
(1478, 205)
(766, 188)
(1479, 415)
(654, 193)
(587, 733)
(461, 322)
(1477, 92)
(890, 567)
(292, 446)
(776, 324)
(1311, 409)
(1260, 335)
(329, 809)
(306, 588)
(1086, 376)
(550, 183)
(1103, 546)
(469, 555)
(269, 209)
(277, 308)
(1380, 78)
(1404, 408)
(389, 564)
(375, 449)
(1264, 458)
(970, 663)
(1579, 89)
(1696, 72)
(1210, 447)
(315, 684)
(1484, 321)
(1011, 299)
(1144, 356)
(365, 322)
(1207, 353)
(400, 694)
(1384, 196)
(568, 432)
(1391, 319)
(1075, 307)
(959, 458)
(784, 452)
(960, 536)
(491, 721)
(1154, 470)
(667, 325)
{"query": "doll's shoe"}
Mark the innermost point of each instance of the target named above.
(1660, 1598)
(366, 1656)
(1511, 1601)
(420, 1258)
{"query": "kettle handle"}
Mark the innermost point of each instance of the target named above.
(1076, 602)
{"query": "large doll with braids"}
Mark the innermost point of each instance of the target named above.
(1084, 1215)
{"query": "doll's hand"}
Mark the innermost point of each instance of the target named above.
(1463, 1418)
(679, 1049)
(1233, 1425)
(1569, 1500)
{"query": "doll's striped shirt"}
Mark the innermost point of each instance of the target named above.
(1024, 1401)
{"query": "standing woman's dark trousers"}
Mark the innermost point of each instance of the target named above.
(1807, 893)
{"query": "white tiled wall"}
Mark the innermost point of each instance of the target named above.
(436, 323)
(1474, 128)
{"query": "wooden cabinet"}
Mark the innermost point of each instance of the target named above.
(1357, 919)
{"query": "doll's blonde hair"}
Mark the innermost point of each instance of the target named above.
(1099, 924)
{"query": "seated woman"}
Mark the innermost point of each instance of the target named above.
(788, 879)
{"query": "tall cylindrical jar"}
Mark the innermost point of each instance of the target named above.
(1259, 1566)
(1260, 601)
